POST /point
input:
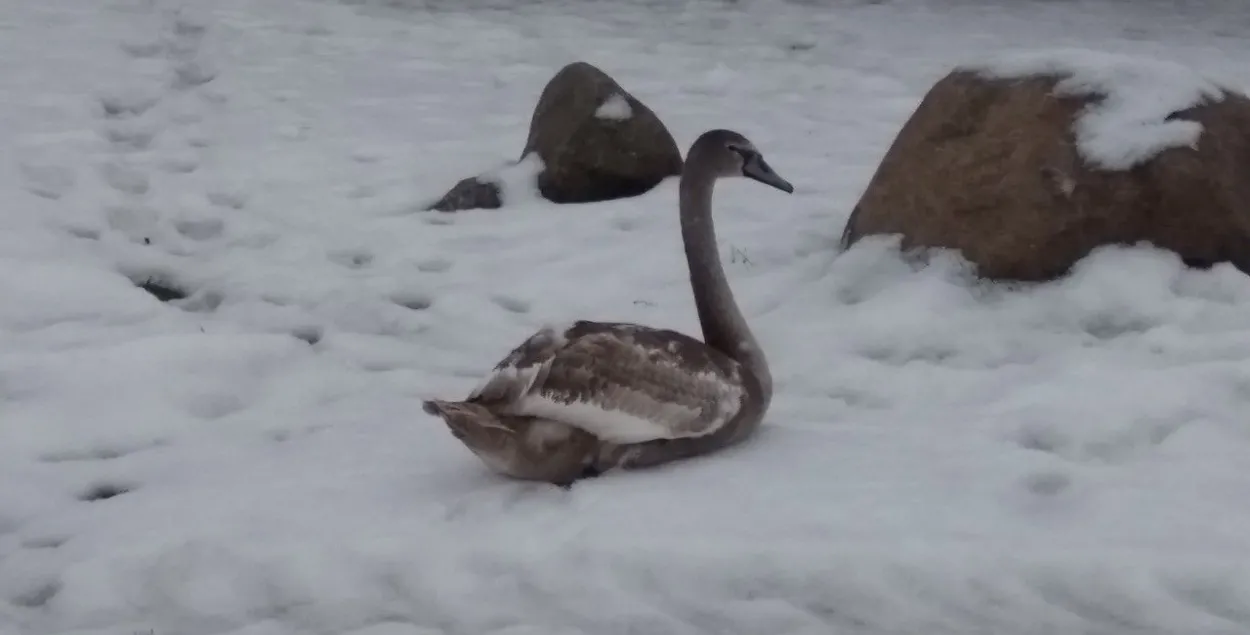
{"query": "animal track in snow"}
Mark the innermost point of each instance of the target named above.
(161, 286)
(104, 490)
(188, 25)
(1043, 438)
(192, 74)
(96, 454)
(511, 304)
(413, 300)
(232, 199)
(86, 233)
(44, 542)
(310, 334)
(162, 291)
(200, 228)
(129, 134)
(127, 102)
(37, 595)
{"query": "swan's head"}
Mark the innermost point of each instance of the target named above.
(730, 154)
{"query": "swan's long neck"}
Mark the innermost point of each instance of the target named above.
(724, 327)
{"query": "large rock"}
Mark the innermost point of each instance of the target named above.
(597, 142)
(1027, 164)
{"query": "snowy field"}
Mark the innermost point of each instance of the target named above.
(942, 457)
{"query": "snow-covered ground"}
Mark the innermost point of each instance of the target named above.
(942, 457)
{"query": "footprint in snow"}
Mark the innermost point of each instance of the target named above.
(232, 199)
(128, 102)
(413, 300)
(194, 73)
(310, 334)
(188, 25)
(511, 304)
(200, 228)
(159, 285)
(36, 595)
(104, 490)
(44, 542)
(104, 453)
(129, 134)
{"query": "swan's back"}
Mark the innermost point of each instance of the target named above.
(624, 383)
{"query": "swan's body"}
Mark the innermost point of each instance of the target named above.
(574, 401)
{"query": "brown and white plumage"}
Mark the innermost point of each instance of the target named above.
(572, 401)
(623, 383)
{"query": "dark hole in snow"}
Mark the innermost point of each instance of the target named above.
(160, 289)
(310, 334)
(414, 301)
(103, 491)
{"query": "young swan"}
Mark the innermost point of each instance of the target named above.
(569, 403)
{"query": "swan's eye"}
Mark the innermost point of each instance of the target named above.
(742, 151)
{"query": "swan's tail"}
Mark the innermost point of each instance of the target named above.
(464, 417)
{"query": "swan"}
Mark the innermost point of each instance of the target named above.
(573, 401)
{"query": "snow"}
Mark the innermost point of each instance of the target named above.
(517, 182)
(1130, 124)
(614, 107)
(252, 459)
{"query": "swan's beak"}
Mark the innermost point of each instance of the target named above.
(757, 168)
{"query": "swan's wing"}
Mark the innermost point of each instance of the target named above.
(623, 383)
(516, 373)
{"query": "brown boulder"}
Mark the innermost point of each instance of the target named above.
(597, 143)
(999, 168)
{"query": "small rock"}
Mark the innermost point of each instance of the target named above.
(469, 193)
